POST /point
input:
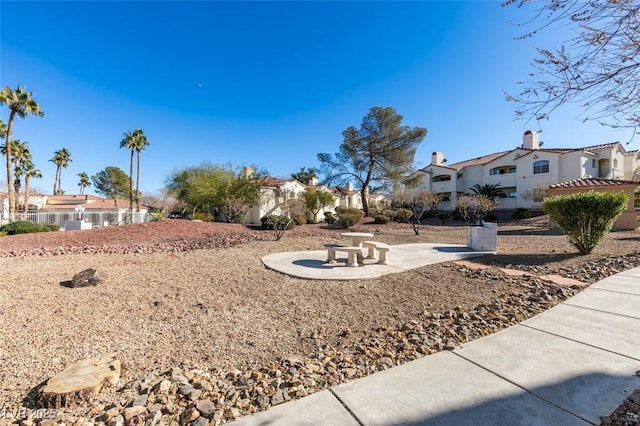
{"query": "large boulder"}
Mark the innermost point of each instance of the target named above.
(88, 277)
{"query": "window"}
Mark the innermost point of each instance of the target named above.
(540, 166)
(593, 163)
(502, 170)
(510, 192)
(441, 178)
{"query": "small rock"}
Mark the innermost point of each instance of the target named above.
(116, 421)
(262, 400)
(153, 418)
(135, 411)
(163, 387)
(201, 421)
(189, 415)
(141, 400)
(231, 413)
(279, 397)
(206, 407)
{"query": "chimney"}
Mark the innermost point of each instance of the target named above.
(349, 186)
(313, 181)
(437, 159)
(248, 172)
(531, 140)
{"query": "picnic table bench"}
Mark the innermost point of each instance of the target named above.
(355, 253)
(381, 248)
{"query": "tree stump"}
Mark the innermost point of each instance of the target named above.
(80, 381)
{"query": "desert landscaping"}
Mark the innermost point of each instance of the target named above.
(204, 331)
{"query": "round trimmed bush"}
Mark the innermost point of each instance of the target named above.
(348, 220)
(380, 219)
(586, 217)
(521, 213)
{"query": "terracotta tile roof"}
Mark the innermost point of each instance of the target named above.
(490, 157)
(593, 183)
(273, 182)
(634, 152)
(600, 147)
(72, 199)
(477, 161)
(558, 150)
(97, 204)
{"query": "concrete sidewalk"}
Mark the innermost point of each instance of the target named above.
(570, 365)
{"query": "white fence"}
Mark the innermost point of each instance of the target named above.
(97, 219)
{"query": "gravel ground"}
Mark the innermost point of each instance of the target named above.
(184, 296)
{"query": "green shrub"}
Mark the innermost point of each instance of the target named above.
(23, 227)
(403, 215)
(329, 217)
(275, 221)
(52, 227)
(443, 217)
(203, 216)
(350, 210)
(348, 220)
(390, 213)
(380, 219)
(157, 216)
(586, 217)
(3, 234)
(491, 216)
(521, 213)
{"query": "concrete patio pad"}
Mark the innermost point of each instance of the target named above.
(401, 258)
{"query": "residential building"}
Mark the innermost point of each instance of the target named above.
(276, 192)
(524, 173)
(56, 209)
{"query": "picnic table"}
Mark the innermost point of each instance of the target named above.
(357, 238)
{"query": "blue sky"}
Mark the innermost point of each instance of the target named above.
(266, 83)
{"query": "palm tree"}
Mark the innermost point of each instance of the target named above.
(141, 144)
(21, 104)
(84, 182)
(29, 171)
(491, 191)
(135, 141)
(61, 158)
(19, 154)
